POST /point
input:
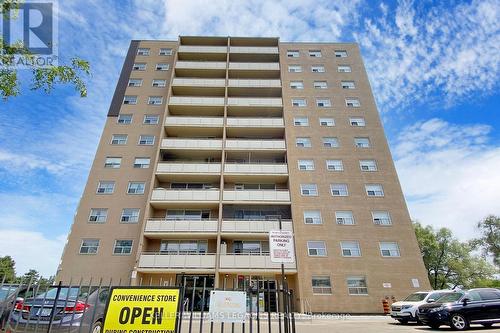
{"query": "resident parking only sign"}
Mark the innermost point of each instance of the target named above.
(140, 310)
(281, 246)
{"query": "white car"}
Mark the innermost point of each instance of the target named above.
(406, 310)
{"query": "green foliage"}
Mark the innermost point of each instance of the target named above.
(489, 241)
(7, 269)
(450, 262)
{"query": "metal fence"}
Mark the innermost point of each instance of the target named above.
(78, 307)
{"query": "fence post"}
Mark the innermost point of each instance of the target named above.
(54, 306)
(183, 279)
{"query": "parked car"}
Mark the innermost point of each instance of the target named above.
(74, 307)
(406, 310)
(10, 295)
(462, 308)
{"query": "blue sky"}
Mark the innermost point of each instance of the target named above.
(434, 67)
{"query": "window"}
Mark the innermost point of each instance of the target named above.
(334, 165)
(254, 186)
(303, 142)
(344, 69)
(199, 215)
(381, 218)
(320, 84)
(119, 139)
(356, 285)
(155, 100)
(321, 285)
(340, 53)
(89, 246)
(347, 85)
(323, 102)
(315, 53)
(389, 249)
(132, 100)
(165, 51)
(122, 246)
(143, 51)
(300, 121)
(357, 122)
(344, 217)
(294, 69)
(330, 142)
(124, 119)
(159, 83)
(318, 69)
(135, 82)
(374, 190)
(306, 165)
(113, 162)
(105, 187)
(292, 53)
(368, 165)
(350, 249)
(488, 295)
(316, 248)
(312, 217)
(150, 119)
(98, 215)
(339, 190)
(310, 190)
(162, 67)
(141, 163)
(329, 122)
(299, 102)
(136, 187)
(130, 215)
(352, 102)
(184, 246)
(362, 142)
(146, 140)
(296, 84)
(139, 66)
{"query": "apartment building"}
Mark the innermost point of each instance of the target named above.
(209, 139)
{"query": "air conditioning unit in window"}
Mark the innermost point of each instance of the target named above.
(377, 221)
(340, 220)
(370, 192)
(93, 219)
(365, 168)
(101, 190)
(336, 192)
(309, 220)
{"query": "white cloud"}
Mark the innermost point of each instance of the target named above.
(449, 174)
(435, 57)
(32, 250)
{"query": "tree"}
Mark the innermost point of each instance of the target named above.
(42, 78)
(450, 262)
(7, 269)
(489, 241)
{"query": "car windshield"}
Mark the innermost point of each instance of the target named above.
(5, 291)
(69, 293)
(451, 297)
(417, 297)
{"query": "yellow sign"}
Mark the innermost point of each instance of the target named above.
(142, 310)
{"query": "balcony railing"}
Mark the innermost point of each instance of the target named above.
(208, 144)
(202, 49)
(158, 226)
(237, 144)
(200, 65)
(182, 195)
(257, 195)
(237, 226)
(198, 82)
(254, 102)
(256, 168)
(252, 66)
(249, 83)
(255, 122)
(158, 260)
(194, 121)
(196, 101)
(254, 49)
(188, 167)
(250, 261)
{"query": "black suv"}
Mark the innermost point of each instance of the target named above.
(462, 308)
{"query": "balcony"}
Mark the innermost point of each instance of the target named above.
(256, 122)
(197, 82)
(163, 227)
(205, 65)
(250, 262)
(251, 144)
(254, 66)
(256, 168)
(258, 196)
(204, 144)
(196, 101)
(253, 70)
(253, 83)
(166, 171)
(238, 226)
(202, 49)
(254, 103)
(173, 121)
(254, 49)
(157, 261)
(161, 197)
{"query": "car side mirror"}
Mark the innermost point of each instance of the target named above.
(465, 301)
(431, 300)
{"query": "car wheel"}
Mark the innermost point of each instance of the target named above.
(459, 322)
(403, 321)
(487, 324)
(97, 327)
